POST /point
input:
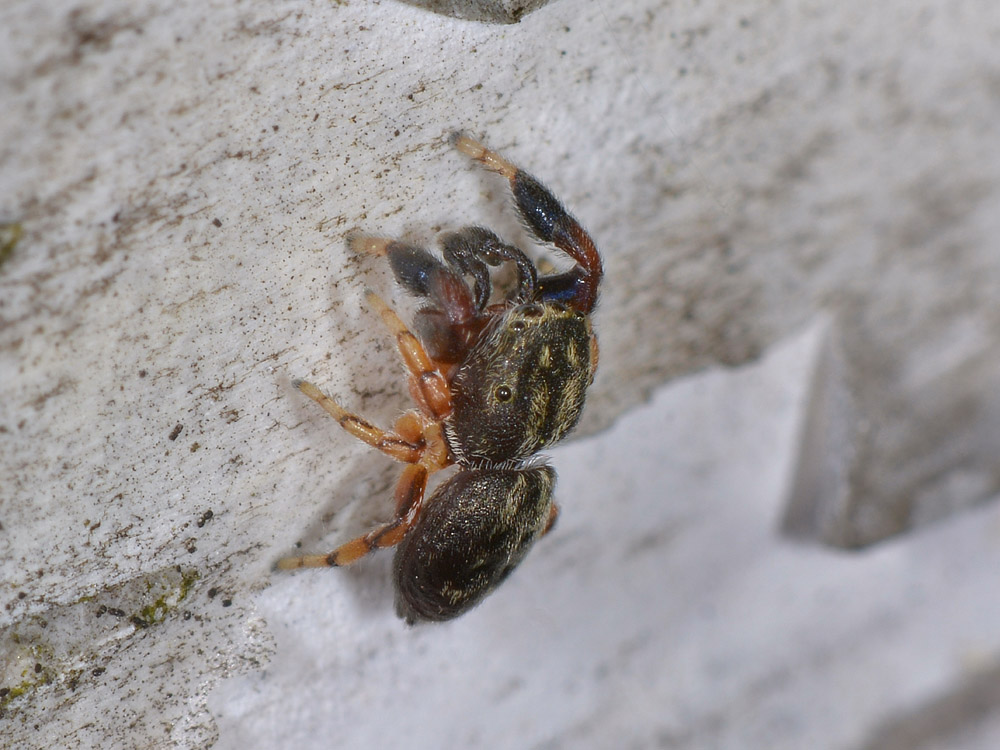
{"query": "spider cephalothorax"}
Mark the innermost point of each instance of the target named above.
(494, 384)
(522, 387)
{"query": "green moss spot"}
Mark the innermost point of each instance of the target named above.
(10, 235)
(166, 602)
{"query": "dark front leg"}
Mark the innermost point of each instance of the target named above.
(423, 275)
(546, 217)
(451, 321)
(471, 249)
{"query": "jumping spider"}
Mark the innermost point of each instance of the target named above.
(493, 385)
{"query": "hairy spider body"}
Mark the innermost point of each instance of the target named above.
(493, 384)
(522, 387)
(474, 531)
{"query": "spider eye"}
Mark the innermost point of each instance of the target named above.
(503, 393)
(518, 325)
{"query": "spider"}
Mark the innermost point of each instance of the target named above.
(493, 385)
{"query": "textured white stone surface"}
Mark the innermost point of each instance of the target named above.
(662, 605)
(185, 173)
(665, 611)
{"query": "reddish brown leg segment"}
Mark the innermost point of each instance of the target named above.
(553, 516)
(409, 499)
(400, 447)
(429, 386)
(417, 441)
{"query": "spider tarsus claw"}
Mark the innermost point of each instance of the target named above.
(311, 391)
(351, 236)
(467, 145)
(490, 160)
(306, 387)
(365, 244)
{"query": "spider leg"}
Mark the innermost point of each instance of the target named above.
(409, 500)
(472, 248)
(403, 444)
(433, 455)
(545, 216)
(428, 386)
(421, 274)
(452, 321)
(553, 516)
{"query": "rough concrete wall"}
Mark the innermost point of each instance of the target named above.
(184, 174)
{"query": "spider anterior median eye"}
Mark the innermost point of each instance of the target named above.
(504, 393)
(518, 325)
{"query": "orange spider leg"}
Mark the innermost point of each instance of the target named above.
(553, 515)
(359, 242)
(427, 385)
(411, 426)
(409, 495)
(491, 160)
(416, 439)
(409, 500)
(405, 446)
(595, 355)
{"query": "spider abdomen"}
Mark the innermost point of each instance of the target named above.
(474, 530)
